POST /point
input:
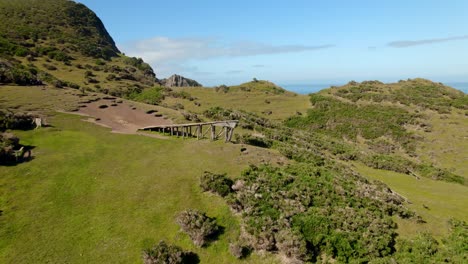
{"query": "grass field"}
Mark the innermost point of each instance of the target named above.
(281, 105)
(447, 144)
(90, 196)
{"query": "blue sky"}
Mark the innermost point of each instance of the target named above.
(293, 42)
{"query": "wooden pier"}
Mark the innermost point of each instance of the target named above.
(198, 130)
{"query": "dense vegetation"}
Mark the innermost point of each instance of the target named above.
(380, 131)
(11, 151)
(426, 249)
(198, 226)
(163, 253)
(417, 92)
(39, 48)
(27, 22)
(310, 212)
(342, 119)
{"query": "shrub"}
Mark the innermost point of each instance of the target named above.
(88, 74)
(254, 141)
(10, 120)
(111, 77)
(197, 225)
(238, 250)
(163, 253)
(217, 183)
(149, 96)
(292, 244)
(389, 162)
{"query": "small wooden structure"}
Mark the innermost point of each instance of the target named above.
(198, 130)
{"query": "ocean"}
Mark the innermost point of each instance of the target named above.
(313, 88)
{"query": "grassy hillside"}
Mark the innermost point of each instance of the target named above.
(70, 48)
(259, 97)
(109, 196)
(392, 124)
(77, 197)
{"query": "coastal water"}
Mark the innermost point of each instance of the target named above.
(313, 88)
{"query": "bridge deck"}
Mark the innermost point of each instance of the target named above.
(185, 130)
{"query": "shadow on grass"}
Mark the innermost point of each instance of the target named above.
(13, 160)
(213, 237)
(191, 258)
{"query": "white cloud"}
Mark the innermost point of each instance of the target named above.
(172, 54)
(234, 72)
(409, 43)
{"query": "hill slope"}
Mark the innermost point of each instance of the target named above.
(63, 43)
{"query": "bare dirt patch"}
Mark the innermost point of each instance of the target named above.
(120, 117)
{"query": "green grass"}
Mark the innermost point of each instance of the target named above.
(90, 196)
(444, 200)
(447, 143)
(281, 105)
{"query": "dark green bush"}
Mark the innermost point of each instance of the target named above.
(389, 162)
(149, 96)
(238, 250)
(305, 211)
(216, 183)
(10, 120)
(197, 225)
(254, 141)
(164, 253)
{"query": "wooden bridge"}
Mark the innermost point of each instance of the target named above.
(198, 130)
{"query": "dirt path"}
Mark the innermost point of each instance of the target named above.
(120, 117)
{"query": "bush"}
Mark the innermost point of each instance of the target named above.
(389, 162)
(88, 74)
(291, 244)
(17, 74)
(254, 141)
(163, 253)
(217, 183)
(238, 250)
(306, 211)
(10, 120)
(8, 143)
(197, 225)
(149, 96)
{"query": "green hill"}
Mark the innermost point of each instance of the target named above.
(70, 48)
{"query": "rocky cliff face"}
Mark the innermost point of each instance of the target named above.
(179, 81)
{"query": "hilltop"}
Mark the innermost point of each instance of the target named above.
(179, 81)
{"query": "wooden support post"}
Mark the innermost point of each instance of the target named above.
(206, 132)
(213, 132)
(230, 134)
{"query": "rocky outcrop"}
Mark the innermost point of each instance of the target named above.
(179, 81)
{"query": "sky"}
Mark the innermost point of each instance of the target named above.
(293, 42)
